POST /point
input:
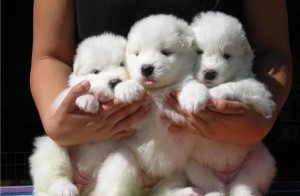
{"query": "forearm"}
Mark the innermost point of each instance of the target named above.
(52, 52)
(266, 26)
(267, 31)
(48, 78)
(274, 69)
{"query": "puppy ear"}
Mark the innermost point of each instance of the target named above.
(186, 41)
(248, 51)
(185, 35)
(245, 44)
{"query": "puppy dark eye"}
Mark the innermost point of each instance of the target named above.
(122, 64)
(199, 51)
(95, 71)
(226, 56)
(136, 53)
(166, 52)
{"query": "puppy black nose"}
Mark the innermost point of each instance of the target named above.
(112, 83)
(210, 74)
(147, 70)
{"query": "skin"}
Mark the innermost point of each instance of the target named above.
(266, 26)
(54, 46)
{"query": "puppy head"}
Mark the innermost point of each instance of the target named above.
(99, 59)
(159, 51)
(223, 49)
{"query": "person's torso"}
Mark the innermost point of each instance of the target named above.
(117, 16)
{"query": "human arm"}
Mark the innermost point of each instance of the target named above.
(231, 121)
(54, 46)
(267, 30)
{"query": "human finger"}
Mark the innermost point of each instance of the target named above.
(172, 101)
(127, 121)
(119, 121)
(226, 106)
(194, 124)
(115, 105)
(194, 121)
(164, 117)
(187, 128)
(123, 134)
(119, 114)
(68, 104)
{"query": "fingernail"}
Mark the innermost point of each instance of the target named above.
(211, 102)
(166, 98)
(85, 84)
(174, 93)
(163, 116)
(172, 128)
(144, 97)
(146, 107)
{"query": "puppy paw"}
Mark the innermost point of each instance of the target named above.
(129, 91)
(87, 103)
(263, 105)
(103, 93)
(193, 97)
(63, 188)
(244, 191)
(214, 194)
(188, 191)
(222, 92)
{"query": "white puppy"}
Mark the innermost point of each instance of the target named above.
(160, 57)
(225, 66)
(56, 169)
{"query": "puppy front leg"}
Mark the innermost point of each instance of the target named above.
(119, 175)
(88, 103)
(248, 91)
(256, 94)
(102, 92)
(129, 91)
(193, 96)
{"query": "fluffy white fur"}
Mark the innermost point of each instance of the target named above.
(160, 57)
(164, 43)
(99, 59)
(225, 66)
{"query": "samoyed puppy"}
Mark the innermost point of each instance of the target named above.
(55, 169)
(160, 57)
(225, 66)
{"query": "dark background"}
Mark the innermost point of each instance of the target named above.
(20, 122)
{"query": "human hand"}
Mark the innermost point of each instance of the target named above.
(71, 126)
(223, 120)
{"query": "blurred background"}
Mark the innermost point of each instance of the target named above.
(20, 122)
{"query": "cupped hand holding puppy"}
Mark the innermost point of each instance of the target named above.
(223, 120)
(70, 126)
